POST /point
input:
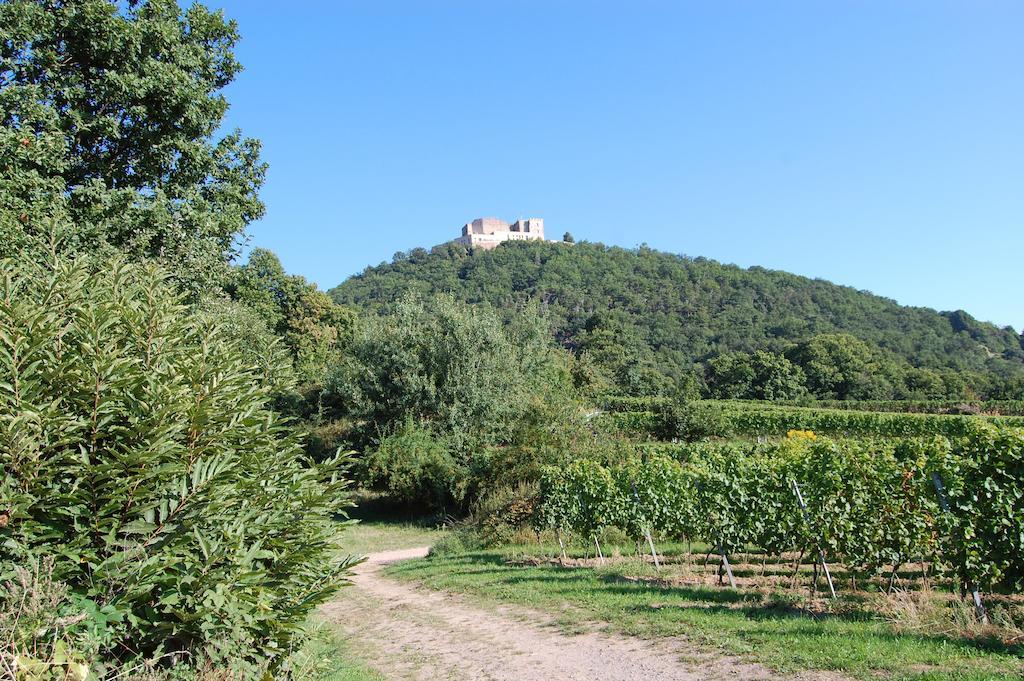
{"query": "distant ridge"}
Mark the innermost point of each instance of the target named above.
(686, 310)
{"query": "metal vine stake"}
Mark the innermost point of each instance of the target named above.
(940, 489)
(647, 529)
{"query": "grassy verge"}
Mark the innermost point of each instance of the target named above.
(775, 630)
(328, 657)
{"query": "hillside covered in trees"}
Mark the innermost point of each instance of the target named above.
(650, 321)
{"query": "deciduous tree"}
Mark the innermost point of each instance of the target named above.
(109, 118)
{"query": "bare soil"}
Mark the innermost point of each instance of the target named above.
(407, 632)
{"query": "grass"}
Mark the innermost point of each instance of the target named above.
(328, 657)
(380, 525)
(775, 630)
(371, 536)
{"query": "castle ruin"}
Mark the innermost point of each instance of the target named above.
(487, 233)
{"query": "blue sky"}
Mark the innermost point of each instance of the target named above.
(874, 144)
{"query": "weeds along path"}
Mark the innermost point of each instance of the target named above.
(407, 632)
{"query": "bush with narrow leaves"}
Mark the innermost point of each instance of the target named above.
(139, 453)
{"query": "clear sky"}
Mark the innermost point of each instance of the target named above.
(874, 144)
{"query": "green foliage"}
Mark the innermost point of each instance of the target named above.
(644, 424)
(709, 418)
(621, 357)
(257, 345)
(556, 500)
(459, 392)
(500, 514)
(313, 327)
(871, 504)
(685, 420)
(415, 467)
(139, 454)
(668, 313)
(767, 419)
(984, 529)
(839, 366)
(645, 494)
(995, 407)
(590, 505)
(109, 119)
(758, 376)
(454, 368)
(620, 403)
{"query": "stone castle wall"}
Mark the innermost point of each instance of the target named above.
(487, 233)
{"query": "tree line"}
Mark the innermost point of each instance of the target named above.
(655, 323)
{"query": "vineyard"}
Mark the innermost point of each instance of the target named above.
(989, 407)
(954, 505)
(768, 419)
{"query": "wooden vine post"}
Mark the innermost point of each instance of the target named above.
(940, 489)
(821, 552)
(647, 528)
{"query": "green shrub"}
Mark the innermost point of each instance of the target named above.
(691, 421)
(415, 467)
(451, 400)
(454, 543)
(138, 453)
(501, 514)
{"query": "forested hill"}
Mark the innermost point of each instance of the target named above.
(684, 310)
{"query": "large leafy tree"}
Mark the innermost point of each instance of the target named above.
(436, 387)
(621, 356)
(109, 114)
(758, 376)
(455, 368)
(839, 366)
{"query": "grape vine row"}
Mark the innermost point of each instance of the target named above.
(751, 418)
(873, 504)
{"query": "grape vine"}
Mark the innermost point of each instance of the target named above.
(873, 504)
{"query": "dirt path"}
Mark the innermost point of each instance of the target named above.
(406, 632)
